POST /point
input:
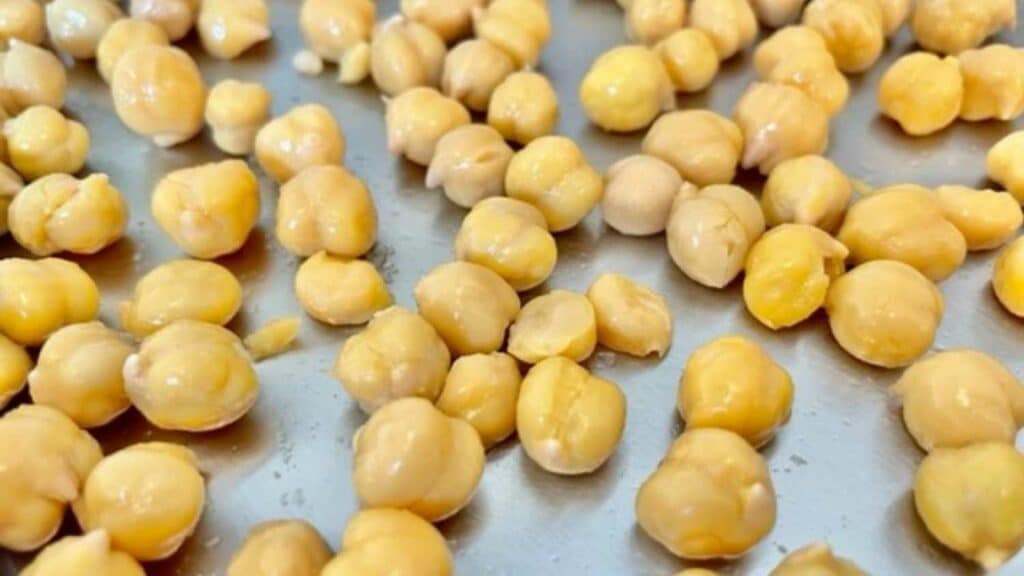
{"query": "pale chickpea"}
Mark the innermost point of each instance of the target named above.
(814, 72)
(524, 107)
(235, 111)
(180, 290)
(339, 291)
(702, 146)
(638, 194)
(993, 83)
(23, 20)
(950, 27)
(418, 118)
(208, 210)
(569, 421)
(405, 54)
(398, 355)
(470, 306)
(307, 135)
(10, 185)
(451, 19)
(159, 93)
(390, 541)
(79, 373)
(777, 13)
(15, 364)
(326, 208)
(690, 59)
(626, 88)
(473, 70)
(45, 461)
(334, 28)
(779, 122)
(273, 338)
(227, 28)
(483, 390)
(922, 92)
(83, 556)
(854, 31)
(41, 141)
(806, 190)
(1005, 164)
(191, 376)
(648, 21)
(76, 26)
(987, 219)
(30, 76)
(559, 323)
(519, 27)
(281, 548)
(631, 318)
(884, 313)
(38, 297)
(552, 174)
(175, 17)
(470, 163)
(511, 238)
(711, 497)
(1008, 278)
(123, 36)
(816, 559)
(972, 501)
(785, 43)
(731, 24)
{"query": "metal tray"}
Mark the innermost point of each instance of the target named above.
(843, 466)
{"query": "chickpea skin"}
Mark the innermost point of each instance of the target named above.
(777, 13)
(559, 323)
(950, 27)
(398, 355)
(405, 54)
(390, 541)
(987, 219)
(76, 26)
(808, 190)
(552, 174)
(307, 135)
(638, 195)
(235, 111)
(473, 70)
(1008, 278)
(451, 19)
(626, 89)
(731, 24)
(922, 93)
(854, 31)
(227, 28)
(121, 37)
(519, 27)
(38, 297)
(779, 122)
(483, 390)
(326, 208)
(631, 318)
(690, 59)
(175, 17)
(83, 556)
(22, 20)
(30, 76)
(10, 185)
(711, 497)
(648, 21)
(993, 83)
(273, 338)
(816, 559)
(524, 107)
(340, 292)
(158, 93)
(470, 163)
(417, 119)
(42, 141)
(1005, 164)
(703, 147)
(15, 365)
(281, 548)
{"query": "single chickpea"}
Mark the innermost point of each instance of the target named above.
(894, 14)
(123, 36)
(339, 31)
(470, 162)
(23, 20)
(993, 83)
(405, 54)
(236, 111)
(703, 147)
(83, 556)
(398, 355)
(30, 76)
(690, 59)
(307, 135)
(227, 28)
(519, 27)
(552, 174)
(569, 421)
(281, 548)
(45, 460)
(208, 210)
(731, 24)
(779, 122)
(711, 497)
(816, 559)
(1005, 164)
(631, 318)
(175, 17)
(648, 21)
(273, 338)
(950, 27)
(816, 74)
(987, 219)
(524, 107)
(159, 93)
(854, 31)
(1008, 278)
(451, 19)
(473, 70)
(483, 390)
(326, 208)
(777, 13)
(922, 92)
(559, 323)
(418, 118)
(884, 313)
(390, 541)
(511, 238)
(709, 234)
(806, 190)
(339, 291)
(79, 373)
(972, 501)
(191, 376)
(638, 195)
(42, 141)
(10, 185)
(784, 44)
(76, 26)
(15, 364)
(626, 89)
(38, 297)
(181, 290)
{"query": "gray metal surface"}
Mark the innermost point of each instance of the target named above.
(842, 467)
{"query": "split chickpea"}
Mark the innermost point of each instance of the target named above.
(84, 555)
(326, 208)
(731, 24)
(41, 141)
(1005, 164)
(808, 190)
(638, 194)
(15, 365)
(390, 541)
(1008, 278)
(552, 174)
(280, 548)
(405, 54)
(307, 135)
(30, 76)
(227, 28)
(417, 119)
(648, 21)
(483, 390)
(702, 146)
(519, 27)
(272, 338)
(76, 26)
(470, 163)
(986, 218)
(559, 323)
(175, 17)
(339, 291)
(950, 27)
(816, 559)
(993, 83)
(854, 31)
(690, 59)
(22, 20)
(159, 93)
(451, 19)
(473, 70)
(779, 122)
(631, 318)
(123, 36)
(523, 107)
(626, 88)
(922, 92)
(235, 111)
(38, 297)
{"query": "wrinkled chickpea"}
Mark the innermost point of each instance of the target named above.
(44, 462)
(631, 318)
(307, 135)
(339, 291)
(816, 559)
(281, 548)
(648, 21)
(483, 390)
(972, 501)
(559, 323)
(121, 37)
(326, 208)
(390, 541)
(731, 24)
(690, 59)
(470, 163)
(79, 373)
(75, 27)
(159, 93)
(175, 17)
(180, 290)
(711, 497)
(702, 146)
(950, 27)
(638, 194)
(626, 88)
(83, 556)
(524, 107)
(1005, 164)
(993, 83)
(784, 44)
(451, 19)
(235, 111)
(922, 92)
(22, 20)
(806, 190)
(779, 122)
(777, 13)
(473, 70)
(42, 141)
(884, 313)
(519, 27)
(15, 364)
(30, 76)
(38, 297)
(816, 74)
(418, 118)
(336, 29)
(1008, 278)
(273, 338)
(10, 185)
(405, 54)
(191, 376)
(208, 210)
(854, 31)
(987, 219)
(511, 238)
(552, 174)
(227, 28)
(398, 355)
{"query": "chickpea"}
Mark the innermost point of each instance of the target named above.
(972, 501)
(950, 27)
(511, 238)
(191, 376)
(523, 107)
(30, 76)
(10, 185)
(816, 74)
(993, 83)
(816, 559)
(631, 318)
(418, 118)
(398, 355)
(1005, 164)
(696, 572)
(473, 70)
(405, 54)
(451, 19)
(44, 462)
(159, 93)
(626, 89)
(986, 218)
(709, 234)
(786, 43)
(519, 27)
(15, 365)
(326, 208)
(227, 28)
(340, 292)
(22, 20)
(689, 58)
(307, 135)
(332, 28)
(470, 162)
(552, 174)
(779, 122)
(777, 13)
(922, 92)
(38, 297)
(884, 313)
(648, 21)
(76, 26)
(559, 323)
(281, 548)
(638, 195)
(806, 190)
(83, 556)
(483, 389)
(272, 338)
(308, 63)
(123, 36)
(854, 31)
(1008, 278)
(42, 141)
(175, 17)
(702, 146)
(711, 497)
(731, 24)
(235, 111)
(390, 541)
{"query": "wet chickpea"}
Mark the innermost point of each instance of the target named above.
(340, 32)
(922, 92)
(281, 548)
(993, 83)
(191, 376)
(648, 21)
(950, 27)
(79, 373)
(208, 210)
(273, 338)
(398, 355)
(23, 20)
(235, 111)
(731, 24)
(405, 54)
(784, 44)
(779, 122)
(777, 13)
(972, 501)
(808, 190)
(307, 135)
(1008, 278)
(470, 306)
(638, 195)
(884, 313)
(470, 163)
(626, 88)
(417, 119)
(451, 19)
(30, 76)
(483, 390)
(854, 31)
(473, 70)
(38, 297)
(158, 93)
(702, 146)
(523, 107)
(511, 238)
(390, 541)
(83, 556)
(42, 141)
(987, 219)
(10, 185)
(175, 17)
(690, 59)
(339, 291)
(180, 290)
(1005, 164)
(559, 323)
(76, 26)
(45, 461)
(227, 28)
(552, 174)
(711, 497)
(631, 318)
(15, 364)
(519, 27)
(326, 208)
(816, 559)
(121, 37)
(816, 74)
(569, 421)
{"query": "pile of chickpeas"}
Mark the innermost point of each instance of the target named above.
(485, 356)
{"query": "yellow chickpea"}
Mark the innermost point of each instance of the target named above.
(281, 548)
(175, 17)
(483, 390)
(626, 89)
(405, 54)
(390, 541)
(648, 21)
(83, 556)
(42, 141)
(972, 501)
(922, 92)
(884, 313)
(307, 135)
(326, 208)
(235, 111)
(273, 338)
(638, 194)
(451, 19)
(15, 364)
(30, 76)
(690, 59)
(784, 44)
(227, 28)
(731, 24)
(1005, 164)
(340, 292)
(711, 497)
(44, 462)
(519, 27)
(559, 323)
(159, 93)
(854, 31)
(191, 376)
(76, 26)
(808, 190)
(22, 20)
(697, 572)
(950, 27)
(552, 174)
(10, 185)
(121, 37)
(524, 107)
(816, 559)
(703, 147)
(473, 70)
(631, 318)
(335, 28)
(987, 219)
(779, 122)
(777, 13)
(38, 297)
(816, 74)
(470, 162)
(418, 118)
(993, 83)
(1008, 278)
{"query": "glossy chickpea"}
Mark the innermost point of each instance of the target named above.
(816, 559)
(648, 21)
(1008, 278)
(854, 31)
(638, 194)
(473, 70)
(227, 28)
(22, 20)
(808, 190)
(307, 135)
(470, 163)
(523, 107)
(690, 59)
(783, 44)
(281, 548)
(779, 122)
(451, 19)
(272, 338)
(922, 92)
(15, 364)
(236, 111)
(631, 318)
(332, 28)
(483, 390)
(950, 27)
(175, 17)
(993, 83)
(986, 218)
(405, 54)
(711, 497)
(121, 37)
(519, 27)
(702, 146)
(417, 119)
(559, 323)
(84, 555)
(159, 93)
(390, 541)
(731, 24)
(38, 297)
(1005, 164)
(42, 141)
(339, 291)
(552, 174)
(326, 208)
(30, 76)
(777, 13)
(816, 74)
(626, 88)
(76, 26)
(10, 185)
